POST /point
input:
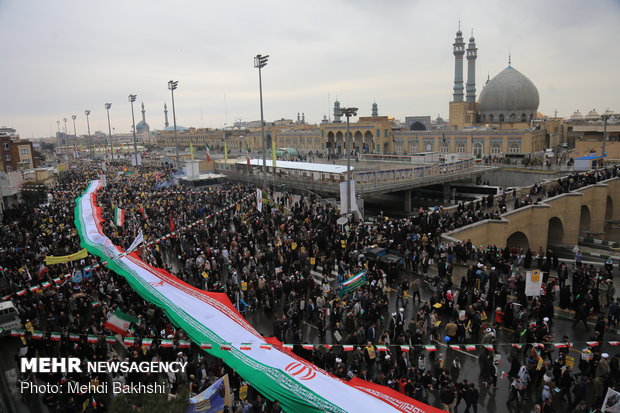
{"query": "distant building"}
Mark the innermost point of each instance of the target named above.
(16, 154)
(418, 122)
(143, 130)
(504, 121)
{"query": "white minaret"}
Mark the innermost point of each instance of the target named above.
(458, 50)
(472, 54)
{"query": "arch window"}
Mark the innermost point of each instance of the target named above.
(523, 117)
(478, 149)
(513, 117)
(501, 117)
(496, 148)
(514, 148)
(491, 118)
(460, 147)
(444, 148)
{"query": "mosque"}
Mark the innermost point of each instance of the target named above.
(503, 122)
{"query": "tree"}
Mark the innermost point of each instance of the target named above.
(48, 146)
(40, 157)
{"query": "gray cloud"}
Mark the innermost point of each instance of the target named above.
(66, 56)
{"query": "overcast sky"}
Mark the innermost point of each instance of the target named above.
(62, 57)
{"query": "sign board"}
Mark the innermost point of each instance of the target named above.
(243, 392)
(342, 220)
(533, 281)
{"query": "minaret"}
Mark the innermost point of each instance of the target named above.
(337, 111)
(165, 116)
(459, 51)
(303, 118)
(375, 110)
(143, 114)
(472, 54)
(298, 119)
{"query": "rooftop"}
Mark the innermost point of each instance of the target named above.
(305, 166)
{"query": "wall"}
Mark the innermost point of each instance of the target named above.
(583, 148)
(533, 221)
(510, 177)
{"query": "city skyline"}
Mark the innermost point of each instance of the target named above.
(69, 56)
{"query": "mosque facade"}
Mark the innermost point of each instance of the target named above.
(502, 122)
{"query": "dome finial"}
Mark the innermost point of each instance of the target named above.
(509, 59)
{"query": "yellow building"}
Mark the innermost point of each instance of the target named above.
(477, 142)
(504, 122)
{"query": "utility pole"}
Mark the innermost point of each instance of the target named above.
(260, 61)
(348, 112)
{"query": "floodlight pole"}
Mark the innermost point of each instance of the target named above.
(260, 61)
(348, 112)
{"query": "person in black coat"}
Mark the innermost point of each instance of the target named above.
(471, 398)
(565, 297)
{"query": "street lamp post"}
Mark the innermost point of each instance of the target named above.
(605, 118)
(90, 143)
(348, 112)
(132, 98)
(172, 85)
(65, 138)
(74, 135)
(260, 61)
(107, 108)
(59, 138)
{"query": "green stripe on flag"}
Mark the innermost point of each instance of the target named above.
(352, 283)
(271, 381)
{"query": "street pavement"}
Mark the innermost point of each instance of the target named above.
(491, 400)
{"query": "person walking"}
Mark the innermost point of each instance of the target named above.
(471, 397)
(447, 396)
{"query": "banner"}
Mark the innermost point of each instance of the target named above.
(352, 283)
(533, 281)
(611, 404)
(213, 399)
(210, 318)
(51, 259)
(259, 200)
(344, 196)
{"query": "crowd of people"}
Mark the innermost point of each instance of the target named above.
(281, 268)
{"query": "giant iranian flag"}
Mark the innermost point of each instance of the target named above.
(210, 319)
